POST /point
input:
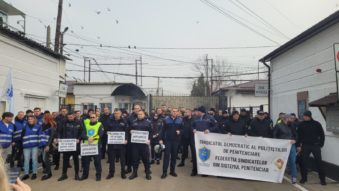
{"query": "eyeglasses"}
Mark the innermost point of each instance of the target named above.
(93, 117)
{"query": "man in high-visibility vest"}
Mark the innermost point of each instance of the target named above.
(91, 135)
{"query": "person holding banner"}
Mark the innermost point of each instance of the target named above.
(141, 131)
(117, 146)
(47, 136)
(170, 136)
(235, 126)
(91, 135)
(204, 123)
(260, 127)
(71, 129)
(285, 130)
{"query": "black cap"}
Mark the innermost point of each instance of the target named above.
(225, 112)
(235, 112)
(308, 113)
(7, 114)
(202, 109)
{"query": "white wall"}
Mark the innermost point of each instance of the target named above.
(245, 100)
(34, 73)
(295, 71)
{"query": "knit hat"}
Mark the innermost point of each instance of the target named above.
(202, 109)
(308, 113)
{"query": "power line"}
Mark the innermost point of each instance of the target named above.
(227, 14)
(250, 11)
(170, 77)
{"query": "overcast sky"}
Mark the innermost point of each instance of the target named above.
(152, 25)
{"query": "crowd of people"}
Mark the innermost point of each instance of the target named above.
(33, 136)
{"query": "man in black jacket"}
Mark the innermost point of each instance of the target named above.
(311, 139)
(260, 127)
(235, 125)
(187, 136)
(71, 129)
(118, 124)
(105, 120)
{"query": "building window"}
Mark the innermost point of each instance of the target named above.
(332, 120)
(124, 106)
(302, 101)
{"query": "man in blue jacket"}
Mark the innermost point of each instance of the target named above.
(17, 152)
(170, 136)
(6, 133)
(204, 123)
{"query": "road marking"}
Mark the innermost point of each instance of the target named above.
(295, 185)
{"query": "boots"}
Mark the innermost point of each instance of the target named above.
(134, 175)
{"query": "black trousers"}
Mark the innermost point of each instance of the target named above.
(97, 164)
(17, 155)
(185, 144)
(140, 151)
(103, 145)
(47, 162)
(56, 158)
(129, 157)
(113, 153)
(65, 157)
(306, 150)
(171, 152)
(194, 156)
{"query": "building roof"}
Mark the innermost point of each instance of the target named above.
(17, 36)
(328, 100)
(247, 87)
(309, 33)
(99, 83)
(9, 9)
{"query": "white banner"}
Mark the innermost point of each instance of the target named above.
(241, 157)
(67, 145)
(89, 149)
(116, 137)
(139, 136)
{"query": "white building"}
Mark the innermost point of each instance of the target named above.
(108, 94)
(244, 95)
(37, 70)
(303, 75)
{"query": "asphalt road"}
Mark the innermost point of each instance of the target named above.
(183, 182)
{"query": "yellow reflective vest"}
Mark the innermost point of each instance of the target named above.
(92, 131)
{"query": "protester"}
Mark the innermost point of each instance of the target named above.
(157, 125)
(17, 152)
(105, 121)
(30, 141)
(285, 130)
(92, 135)
(6, 133)
(260, 127)
(170, 137)
(70, 129)
(140, 150)
(187, 137)
(235, 126)
(311, 138)
(204, 123)
(48, 135)
(117, 124)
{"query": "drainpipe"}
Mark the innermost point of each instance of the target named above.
(269, 85)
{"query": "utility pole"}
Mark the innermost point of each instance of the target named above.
(84, 69)
(48, 37)
(89, 70)
(207, 86)
(136, 72)
(211, 89)
(140, 71)
(58, 26)
(158, 88)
